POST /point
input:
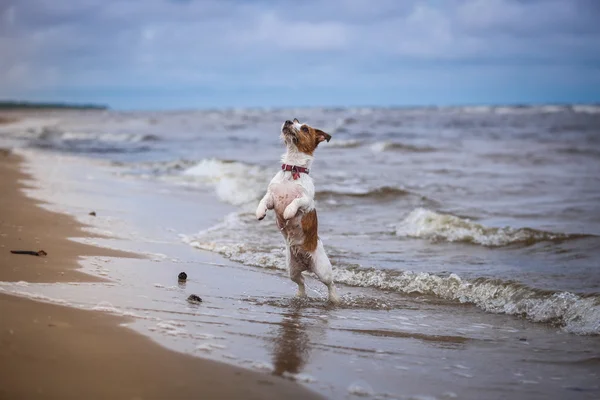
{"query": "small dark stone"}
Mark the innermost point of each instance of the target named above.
(93, 213)
(182, 276)
(523, 339)
(194, 299)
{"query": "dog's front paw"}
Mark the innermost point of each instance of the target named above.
(289, 212)
(261, 214)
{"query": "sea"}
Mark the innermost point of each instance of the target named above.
(466, 234)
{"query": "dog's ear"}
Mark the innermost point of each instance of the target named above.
(322, 136)
(296, 121)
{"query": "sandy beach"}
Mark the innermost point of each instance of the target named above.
(54, 352)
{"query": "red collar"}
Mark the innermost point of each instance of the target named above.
(296, 171)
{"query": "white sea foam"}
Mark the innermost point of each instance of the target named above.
(230, 238)
(204, 347)
(210, 347)
(234, 182)
(577, 314)
(475, 109)
(361, 388)
(551, 108)
(306, 378)
(171, 328)
(39, 297)
(105, 306)
(586, 108)
(102, 136)
(262, 366)
(515, 110)
(427, 224)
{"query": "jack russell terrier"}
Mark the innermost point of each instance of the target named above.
(291, 194)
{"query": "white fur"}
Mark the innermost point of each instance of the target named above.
(292, 198)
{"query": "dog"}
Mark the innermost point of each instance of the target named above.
(291, 194)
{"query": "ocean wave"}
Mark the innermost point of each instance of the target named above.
(112, 137)
(574, 313)
(264, 249)
(527, 109)
(342, 121)
(159, 167)
(234, 182)
(380, 147)
(345, 144)
(475, 109)
(88, 141)
(579, 151)
(383, 193)
(230, 238)
(523, 109)
(510, 109)
(427, 224)
(586, 108)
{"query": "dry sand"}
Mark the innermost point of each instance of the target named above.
(54, 352)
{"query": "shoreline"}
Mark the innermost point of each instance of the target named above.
(53, 351)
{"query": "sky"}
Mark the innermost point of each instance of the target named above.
(184, 54)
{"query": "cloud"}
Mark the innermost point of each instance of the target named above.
(272, 31)
(100, 48)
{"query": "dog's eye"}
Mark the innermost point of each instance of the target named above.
(304, 128)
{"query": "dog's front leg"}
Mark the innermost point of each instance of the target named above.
(265, 204)
(297, 204)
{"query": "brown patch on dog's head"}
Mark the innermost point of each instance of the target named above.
(304, 137)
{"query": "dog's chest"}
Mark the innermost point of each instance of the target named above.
(283, 194)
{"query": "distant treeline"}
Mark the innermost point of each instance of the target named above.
(12, 105)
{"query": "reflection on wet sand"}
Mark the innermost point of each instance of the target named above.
(292, 346)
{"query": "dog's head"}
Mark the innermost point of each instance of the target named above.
(302, 137)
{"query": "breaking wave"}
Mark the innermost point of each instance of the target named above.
(234, 182)
(380, 147)
(574, 313)
(427, 224)
(264, 248)
(50, 134)
(526, 109)
(383, 193)
(230, 238)
(240, 183)
(86, 141)
(345, 144)
(586, 108)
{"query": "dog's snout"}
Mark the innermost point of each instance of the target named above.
(288, 122)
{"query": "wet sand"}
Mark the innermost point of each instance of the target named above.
(50, 351)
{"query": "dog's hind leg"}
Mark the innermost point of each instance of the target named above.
(295, 267)
(321, 266)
